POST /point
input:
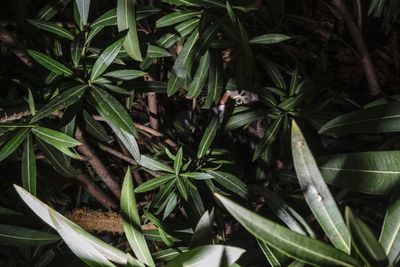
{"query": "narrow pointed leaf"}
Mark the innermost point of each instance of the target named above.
(374, 172)
(390, 234)
(28, 166)
(11, 145)
(317, 193)
(55, 138)
(154, 165)
(269, 39)
(178, 161)
(58, 160)
(154, 183)
(157, 52)
(50, 64)
(94, 128)
(126, 20)
(364, 241)
(83, 8)
(69, 229)
(210, 256)
(125, 75)
(111, 110)
(106, 58)
(63, 100)
(53, 28)
(77, 47)
(131, 221)
(269, 137)
(185, 57)
(200, 76)
(383, 118)
(19, 236)
(295, 245)
(229, 181)
(175, 18)
(208, 138)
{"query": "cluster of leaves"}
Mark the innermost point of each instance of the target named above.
(92, 78)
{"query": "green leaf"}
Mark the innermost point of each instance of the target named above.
(375, 172)
(284, 212)
(316, 192)
(185, 28)
(11, 145)
(53, 28)
(210, 256)
(174, 83)
(203, 233)
(168, 254)
(78, 244)
(208, 138)
(77, 48)
(269, 39)
(197, 175)
(163, 194)
(154, 165)
(128, 140)
(273, 72)
(95, 128)
(63, 100)
(200, 76)
(55, 138)
(73, 234)
(58, 160)
(178, 161)
(268, 138)
(51, 9)
(126, 20)
(31, 103)
(18, 236)
(112, 111)
(241, 119)
(383, 118)
(215, 80)
(294, 82)
(83, 8)
(230, 182)
(131, 221)
(295, 245)
(184, 60)
(182, 187)
(167, 40)
(50, 64)
(206, 37)
(156, 52)
(28, 166)
(105, 59)
(154, 183)
(364, 241)
(109, 18)
(390, 234)
(176, 17)
(274, 257)
(125, 75)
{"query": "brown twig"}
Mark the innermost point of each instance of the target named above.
(95, 191)
(152, 104)
(97, 164)
(19, 50)
(355, 32)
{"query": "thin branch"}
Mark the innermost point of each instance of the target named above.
(355, 32)
(152, 104)
(97, 164)
(95, 191)
(19, 50)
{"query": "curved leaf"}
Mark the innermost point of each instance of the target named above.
(131, 221)
(295, 245)
(50, 64)
(11, 235)
(317, 193)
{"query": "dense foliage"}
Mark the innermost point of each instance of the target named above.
(199, 133)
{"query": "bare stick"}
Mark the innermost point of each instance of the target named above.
(19, 50)
(355, 32)
(152, 103)
(95, 191)
(97, 164)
